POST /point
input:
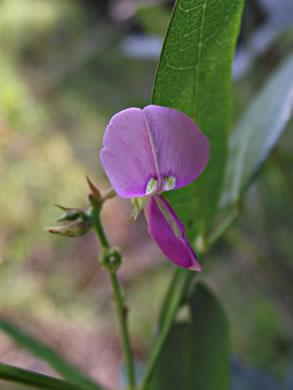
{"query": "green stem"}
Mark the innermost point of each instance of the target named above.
(118, 298)
(30, 378)
(122, 314)
(99, 228)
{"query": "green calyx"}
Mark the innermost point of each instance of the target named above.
(137, 206)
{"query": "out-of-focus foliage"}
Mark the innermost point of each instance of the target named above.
(154, 18)
(194, 356)
(64, 368)
(256, 135)
(64, 73)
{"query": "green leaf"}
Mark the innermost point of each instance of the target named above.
(196, 355)
(194, 76)
(42, 351)
(154, 18)
(176, 293)
(258, 131)
(30, 378)
(212, 343)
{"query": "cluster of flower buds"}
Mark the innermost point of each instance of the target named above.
(79, 221)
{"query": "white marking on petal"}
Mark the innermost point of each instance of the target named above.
(169, 183)
(151, 186)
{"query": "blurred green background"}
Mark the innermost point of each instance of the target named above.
(67, 67)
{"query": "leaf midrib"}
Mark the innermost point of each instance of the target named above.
(197, 66)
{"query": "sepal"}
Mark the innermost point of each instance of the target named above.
(71, 214)
(137, 207)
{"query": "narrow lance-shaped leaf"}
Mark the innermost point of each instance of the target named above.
(62, 366)
(212, 344)
(258, 131)
(196, 354)
(194, 76)
(34, 379)
(176, 294)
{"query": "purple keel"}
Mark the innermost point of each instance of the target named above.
(169, 233)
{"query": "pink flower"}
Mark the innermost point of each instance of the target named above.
(147, 152)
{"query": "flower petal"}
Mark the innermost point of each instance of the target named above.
(169, 234)
(182, 151)
(154, 149)
(127, 155)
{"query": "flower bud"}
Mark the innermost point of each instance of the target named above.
(110, 259)
(77, 228)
